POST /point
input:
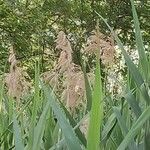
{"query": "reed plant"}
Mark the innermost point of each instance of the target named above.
(40, 120)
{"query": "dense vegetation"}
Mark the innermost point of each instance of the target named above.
(74, 75)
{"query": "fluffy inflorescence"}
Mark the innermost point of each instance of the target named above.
(105, 46)
(15, 80)
(73, 80)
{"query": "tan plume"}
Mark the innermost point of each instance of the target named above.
(105, 46)
(15, 80)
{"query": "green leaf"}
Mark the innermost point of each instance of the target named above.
(70, 137)
(7, 128)
(17, 135)
(96, 113)
(73, 124)
(136, 127)
(2, 126)
(139, 41)
(35, 105)
(39, 129)
(124, 129)
(87, 89)
(132, 67)
(111, 121)
(133, 103)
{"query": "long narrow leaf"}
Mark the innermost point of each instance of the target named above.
(73, 124)
(17, 135)
(135, 129)
(35, 105)
(133, 103)
(70, 137)
(111, 121)
(124, 129)
(88, 89)
(39, 129)
(132, 67)
(139, 40)
(96, 114)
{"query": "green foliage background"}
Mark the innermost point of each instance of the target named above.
(31, 26)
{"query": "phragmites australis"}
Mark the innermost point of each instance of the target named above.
(15, 80)
(73, 81)
(105, 46)
(71, 74)
(74, 86)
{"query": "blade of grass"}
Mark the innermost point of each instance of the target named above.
(96, 113)
(133, 103)
(136, 127)
(10, 124)
(73, 124)
(17, 135)
(1, 93)
(87, 89)
(39, 129)
(70, 137)
(1, 109)
(139, 41)
(61, 142)
(50, 127)
(108, 126)
(35, 105)
(132, 67)
(124, 129)
(2, 83)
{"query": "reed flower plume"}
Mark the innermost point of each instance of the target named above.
(71, 74)
(74, 86)
(105, 45)
(15, 80)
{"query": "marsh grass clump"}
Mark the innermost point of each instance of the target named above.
(68, 109)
